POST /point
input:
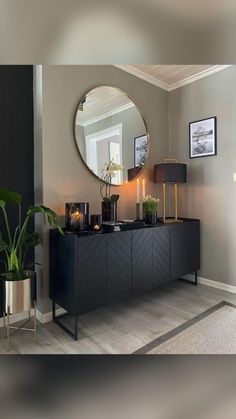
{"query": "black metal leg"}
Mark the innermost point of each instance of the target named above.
(53, 310)
(76, 329)
(62, 326)
(195, 282)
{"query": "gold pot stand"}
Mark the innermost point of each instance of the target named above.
(7, 326)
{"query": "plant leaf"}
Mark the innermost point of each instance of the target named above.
(32, 239)
(14, 260)
(3, 244)
(114, 198)
(7, 273)
(33, 264)
(10, 196)
(51, 215)
(2, 204)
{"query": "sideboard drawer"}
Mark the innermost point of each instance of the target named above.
(185, 248)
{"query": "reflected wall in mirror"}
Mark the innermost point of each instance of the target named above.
(110, 127)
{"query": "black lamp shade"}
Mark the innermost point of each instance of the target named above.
(170, 173)
(134, 172)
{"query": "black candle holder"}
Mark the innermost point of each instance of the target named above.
(77, 216)
(138, 216)
(96, 223)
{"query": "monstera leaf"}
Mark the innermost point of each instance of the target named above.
(51, 215)
(10, 196)
(32, 240)
(17, 242)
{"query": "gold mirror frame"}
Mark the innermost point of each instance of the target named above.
(144, 122)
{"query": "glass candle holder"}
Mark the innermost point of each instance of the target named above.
(77, 216)
(96, 223)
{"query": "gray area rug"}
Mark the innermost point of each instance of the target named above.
(211, 332)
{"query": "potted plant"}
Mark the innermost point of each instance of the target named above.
(15, 245)
(150, 206)
(109, 201)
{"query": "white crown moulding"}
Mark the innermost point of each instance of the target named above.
(138, 73)
(106, 115)
(169, 87)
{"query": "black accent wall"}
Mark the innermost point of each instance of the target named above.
(16, 135)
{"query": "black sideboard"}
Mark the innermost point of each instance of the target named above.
(93, 270)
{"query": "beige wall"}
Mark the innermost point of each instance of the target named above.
(65, 178)
(210, 193)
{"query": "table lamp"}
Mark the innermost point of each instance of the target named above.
(170, 172)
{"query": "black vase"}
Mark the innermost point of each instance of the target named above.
(150, 217)
(109, 211)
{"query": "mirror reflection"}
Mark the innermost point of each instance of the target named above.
(110, 128)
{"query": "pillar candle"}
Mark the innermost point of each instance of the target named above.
(75, 219)
(144, 191)
(137, 191)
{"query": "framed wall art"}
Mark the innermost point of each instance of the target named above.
(202, 138)
(140, 150)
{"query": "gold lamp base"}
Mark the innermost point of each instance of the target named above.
(174, 219)
(171, 220)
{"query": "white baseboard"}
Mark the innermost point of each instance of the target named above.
(42, 318)
(47, 317)
(213, 284)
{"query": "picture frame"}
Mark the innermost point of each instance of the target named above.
(140, 150)
(203, 138)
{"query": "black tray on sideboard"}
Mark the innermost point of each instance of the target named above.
(117, 226)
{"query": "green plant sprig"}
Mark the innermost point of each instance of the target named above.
(15, 246)
(150, 204)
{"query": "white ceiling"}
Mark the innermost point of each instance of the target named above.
(102, 102)
(170, 77)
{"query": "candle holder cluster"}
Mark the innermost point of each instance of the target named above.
(77, 218)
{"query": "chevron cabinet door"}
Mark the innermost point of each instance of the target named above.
(161, 255)
(119, 266)
(92, 273)
(141, 260)
(185, 248)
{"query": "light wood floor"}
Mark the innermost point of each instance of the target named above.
(122, 328)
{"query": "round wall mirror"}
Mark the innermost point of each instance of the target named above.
(110, 128)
